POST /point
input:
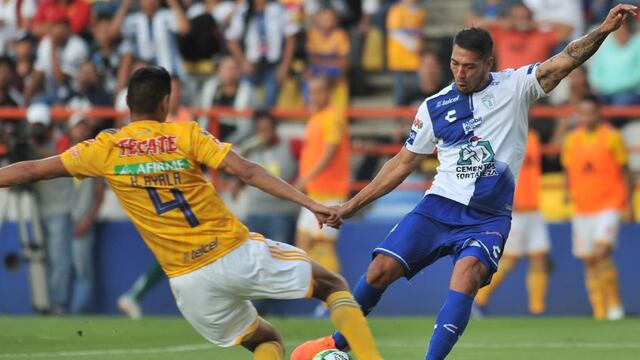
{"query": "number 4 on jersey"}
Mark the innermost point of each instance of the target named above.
(178, 202)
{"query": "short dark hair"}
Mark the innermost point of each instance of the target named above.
(475, 39)
(147, 87)
(594, 99)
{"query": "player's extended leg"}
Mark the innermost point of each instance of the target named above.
(346, 314)
(469, 274)
(382, 271)
(608, 281)
(507, 263)
(414, 243)
(537, 280)
(264, 342)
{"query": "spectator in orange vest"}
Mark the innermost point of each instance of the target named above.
(324, 171)
(595, 159)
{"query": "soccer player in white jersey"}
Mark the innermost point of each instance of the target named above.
(478, 124)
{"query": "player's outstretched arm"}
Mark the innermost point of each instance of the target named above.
(255, 175)
(578, 51)
(390, 176)
(27, 172)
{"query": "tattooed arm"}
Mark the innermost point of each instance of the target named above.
(578, 51)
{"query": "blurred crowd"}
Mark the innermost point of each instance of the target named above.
(259, 54)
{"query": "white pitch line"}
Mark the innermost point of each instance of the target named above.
(391, 344)
(108, 352)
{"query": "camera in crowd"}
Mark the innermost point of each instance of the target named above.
(20, 137)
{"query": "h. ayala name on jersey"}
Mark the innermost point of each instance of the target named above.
(153, 146)
(476, 159)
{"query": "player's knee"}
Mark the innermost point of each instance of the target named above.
(383, 271)
(337, 283)
(264, 333)
(468, 276)
(326, 282)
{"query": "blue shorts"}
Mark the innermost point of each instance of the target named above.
(424, 236)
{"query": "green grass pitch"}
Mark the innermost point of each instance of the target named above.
(159, 338)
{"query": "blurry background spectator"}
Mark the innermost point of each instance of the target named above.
(9, 95)
(328, 53)
(229, 89)
(355, 17)
(405, 22)
(177, 111)
(77, 13)
(518, 40)
(201, 44)
(324, 171)
(15, 15)
(270, 216)
(24, 58)
(58, 58)
(149, 34)
(261, 38)
(597, 178)
(614, 72)
(106, 54)
(565, 16)
(488, 9)
(324, 174)
(87, 197)
(54, 207)
(431, 79)
(89, 93)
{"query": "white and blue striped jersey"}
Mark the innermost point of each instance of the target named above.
(480, 138)
(154, 39)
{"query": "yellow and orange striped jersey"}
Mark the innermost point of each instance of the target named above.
(154, 170)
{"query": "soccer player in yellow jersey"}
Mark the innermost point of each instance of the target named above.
(214, 264)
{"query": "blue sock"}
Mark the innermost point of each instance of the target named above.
(450, 323)
(368, 297)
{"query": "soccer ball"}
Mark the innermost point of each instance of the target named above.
(332, 354)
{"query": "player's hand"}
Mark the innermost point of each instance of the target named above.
(617, 17)
(326, 215)
(335, 220)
